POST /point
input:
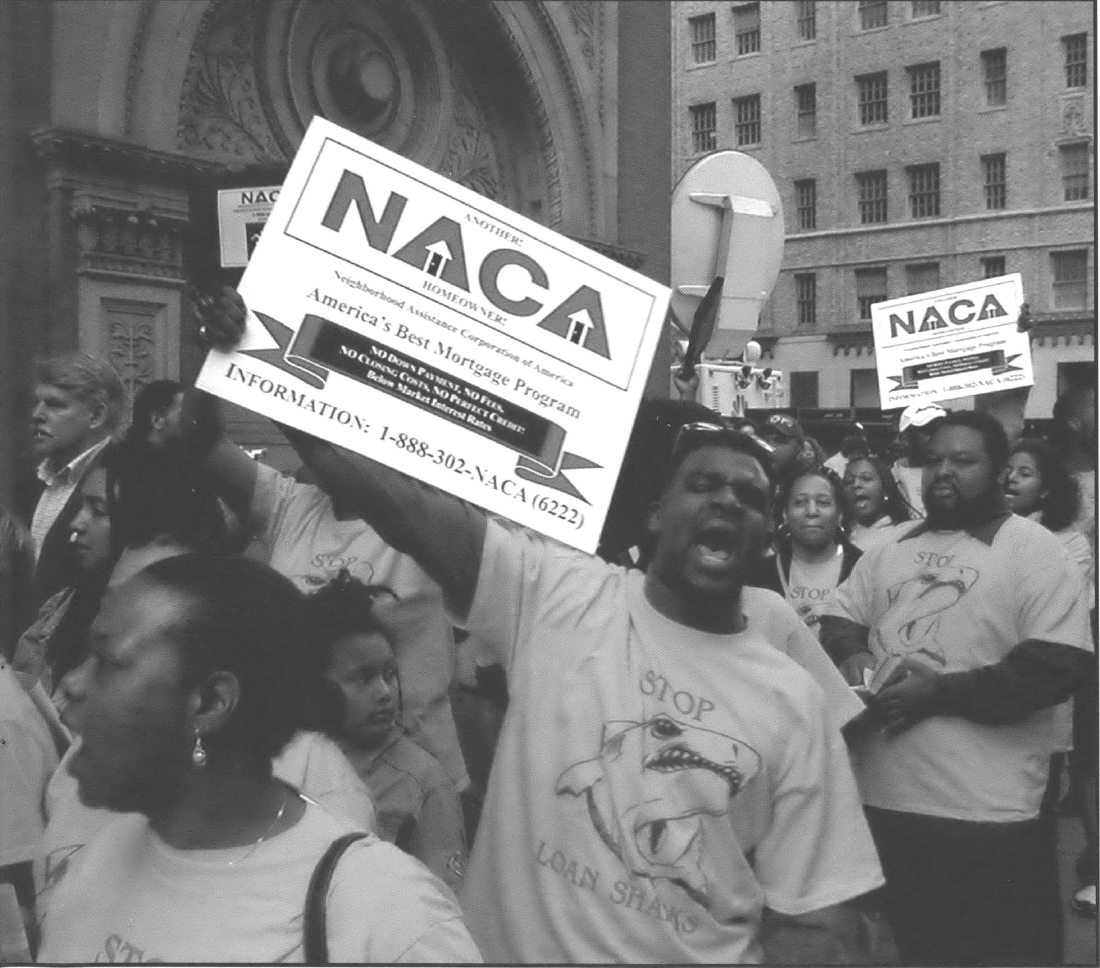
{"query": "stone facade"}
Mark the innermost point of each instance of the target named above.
(1041, 115)
(110, 112)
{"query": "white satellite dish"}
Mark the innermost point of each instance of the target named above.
(727, 220)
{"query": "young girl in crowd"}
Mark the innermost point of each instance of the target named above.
(195, 681)
(813, 553)
(875, 500)
(416, 804)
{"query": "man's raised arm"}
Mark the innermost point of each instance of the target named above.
(226, 469)
(443, 533)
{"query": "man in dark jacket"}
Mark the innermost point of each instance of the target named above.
(78, 404)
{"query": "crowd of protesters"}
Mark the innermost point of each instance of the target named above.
(800, 709)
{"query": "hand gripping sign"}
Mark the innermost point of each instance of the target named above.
(400, 315)
(954, 342)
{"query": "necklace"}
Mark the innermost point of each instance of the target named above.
(267, 833)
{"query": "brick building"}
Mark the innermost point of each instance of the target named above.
(110, 111)
(916, 144)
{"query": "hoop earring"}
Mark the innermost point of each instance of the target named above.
(198, 754)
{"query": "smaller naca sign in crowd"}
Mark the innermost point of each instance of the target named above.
(953, 342)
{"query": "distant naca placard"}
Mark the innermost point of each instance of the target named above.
(405, 317)
(954, 342)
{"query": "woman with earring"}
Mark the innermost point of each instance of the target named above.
(141, 506)
(813, 553)
(196, 678)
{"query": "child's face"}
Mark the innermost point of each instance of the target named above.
(364, 668)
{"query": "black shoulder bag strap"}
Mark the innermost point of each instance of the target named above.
(315, 938)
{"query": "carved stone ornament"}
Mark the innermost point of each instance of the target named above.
(585, 17)
(1073, 116)
(471, 158)
(220, 113)
(128, 242)
(132, 341)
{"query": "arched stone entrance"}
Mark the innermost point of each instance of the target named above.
(519, 100)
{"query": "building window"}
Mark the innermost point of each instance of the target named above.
(704, 49)
(746, 112)
(924, 8)
(1077, 64)
(995, 73)
(804, 389)
(996, 188)
(746, 28)
(1071, 279)
(924, 190)
(872, 196)
(1075, 171)
(864, 389)
(805, 285)
(872, 14)
(807, 20)
(872, 98)
(993, 266)
(805, 196)
(922, 277)
(870, 289)
(704, 127)
(806, 96)
(924, 90)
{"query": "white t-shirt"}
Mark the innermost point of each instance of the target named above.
(953, 603)
(27, 758)
(868, 536)
(810, 587)
(299, 535)
(128, 896)
(769, 615)
(311, 763)
(654, 787)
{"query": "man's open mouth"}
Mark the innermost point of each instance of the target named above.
(717, 543)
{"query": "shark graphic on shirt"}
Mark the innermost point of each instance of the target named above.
(911, 625)
(648, 789)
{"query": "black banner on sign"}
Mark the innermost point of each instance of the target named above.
(911, 376)
(321, 346)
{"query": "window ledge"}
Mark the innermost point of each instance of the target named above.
(870, 128)
(992, 108)
(929, 120)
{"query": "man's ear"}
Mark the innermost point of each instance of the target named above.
(212, 704)
(99, 412)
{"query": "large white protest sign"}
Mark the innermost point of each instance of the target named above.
(953, 342)
(409, 319)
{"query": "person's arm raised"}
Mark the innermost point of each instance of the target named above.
(225, 468)
(443, 533)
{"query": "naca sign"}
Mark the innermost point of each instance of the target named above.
(951, 343)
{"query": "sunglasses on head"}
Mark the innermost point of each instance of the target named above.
(708, 430)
